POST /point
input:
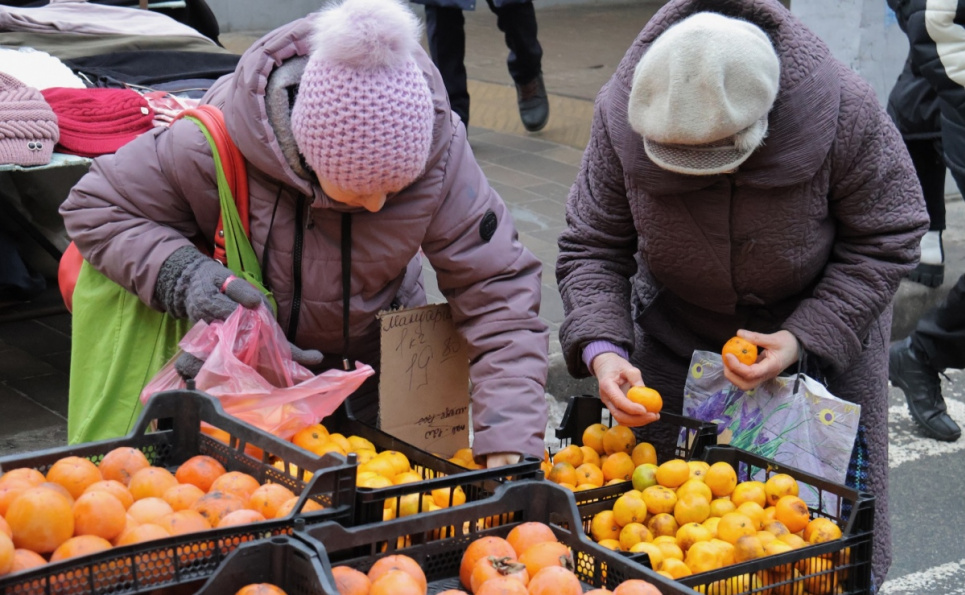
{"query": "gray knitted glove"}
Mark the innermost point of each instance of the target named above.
(189, 285)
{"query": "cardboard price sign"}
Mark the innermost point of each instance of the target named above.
(424, 386)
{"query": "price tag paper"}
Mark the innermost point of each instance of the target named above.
(424, 386)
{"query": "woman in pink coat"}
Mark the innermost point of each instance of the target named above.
(355, 168)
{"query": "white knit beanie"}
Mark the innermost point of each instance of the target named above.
(701, 94)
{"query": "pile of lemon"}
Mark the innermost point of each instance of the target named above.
(695, 517)
(608, 456)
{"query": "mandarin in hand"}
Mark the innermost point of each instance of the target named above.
(646, 396)
(742, 349)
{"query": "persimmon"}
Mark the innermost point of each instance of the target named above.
(214, 506)
(41, 519)
(74, 473)
(10, 491)
(114, 488)
(646, 396)
(149, 510)
(349, 581)
(555, 580)
(27, 474)
(244, 516)
(502, 586)
(182, 496)
(489, 545)
(81, 545)
(401, 562)
(182, 522)
(260, 589)
(239, 483)
(742, 349)
(397, 582)
(491, 567)
(200, 471)
(527, 534)
(268, 498)
(546, 554)
(142, 533)
(121, 463)
(636, 586)
(24, 559)
(286, 508)
(7, 553)
(99, 513)
(151, 482)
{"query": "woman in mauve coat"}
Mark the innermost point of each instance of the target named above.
(738, 178)
(347, 133)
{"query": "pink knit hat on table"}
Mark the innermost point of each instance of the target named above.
(28, 127)
(363, 116)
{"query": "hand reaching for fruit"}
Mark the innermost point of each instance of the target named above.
(616, 376)
(780, 350)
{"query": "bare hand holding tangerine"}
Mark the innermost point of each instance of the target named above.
(750, 359)
(616, 376)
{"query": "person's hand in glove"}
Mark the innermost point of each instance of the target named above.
(193, 286)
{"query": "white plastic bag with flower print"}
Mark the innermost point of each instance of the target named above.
(810, 429)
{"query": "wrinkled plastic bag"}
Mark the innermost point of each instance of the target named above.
(810, 429)
(248, 367)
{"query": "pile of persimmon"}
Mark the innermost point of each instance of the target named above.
(385, 468)
(608, 456)
(79, 507)
(697, 517)
(528, 561)
(261, 589)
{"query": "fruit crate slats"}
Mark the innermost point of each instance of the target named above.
(173, 561)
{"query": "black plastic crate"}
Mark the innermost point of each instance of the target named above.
(851, 510)
(584, 410)
(282, 561)
(438, 539)
(177, 560)
(436, 472)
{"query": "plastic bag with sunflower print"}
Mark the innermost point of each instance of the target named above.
(793, 420)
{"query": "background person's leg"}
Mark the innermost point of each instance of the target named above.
(518, 24)
(446, 33)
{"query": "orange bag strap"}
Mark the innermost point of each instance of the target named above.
(234, 166)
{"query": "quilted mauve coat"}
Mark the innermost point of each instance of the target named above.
(811, 234)
(158, 193)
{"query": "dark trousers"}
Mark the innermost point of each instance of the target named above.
(926, 154)
(445, 29)
(940, 333)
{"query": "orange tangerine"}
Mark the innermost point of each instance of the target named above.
(663, 525)
(562, 473)
(691, 508)
(734, 525)
(742, 349)
(749, 491)
(571, 454)
(754, 512)
(593, 437)
(659, 499)
(618, 466)
(777, 485)
(644, 452)
(721, 479)
(629, 509)
(632, 534)
(646, 396)
(590, 456)
(619, 439)
(588, 473)
(673, 473)
(793, 512)
(604, 526)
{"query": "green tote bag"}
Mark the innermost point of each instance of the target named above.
(118, 343)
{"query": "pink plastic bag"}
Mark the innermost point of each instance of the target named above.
(249, 369)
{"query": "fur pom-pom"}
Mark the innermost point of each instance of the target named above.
(751, 137)
(365, 34)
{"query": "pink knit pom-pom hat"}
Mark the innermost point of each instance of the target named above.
(363, 115)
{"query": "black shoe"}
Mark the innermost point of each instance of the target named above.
(923, 391)
(930, 271)
(534, 107)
